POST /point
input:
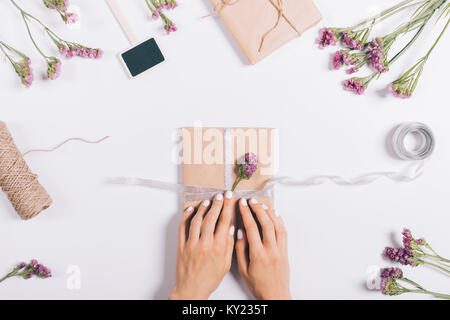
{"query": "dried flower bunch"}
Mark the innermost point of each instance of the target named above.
(415, 252)
(27, 271)
(157, 7)
(61, 7)
(361, 50)
(247, 166)
(22, 63)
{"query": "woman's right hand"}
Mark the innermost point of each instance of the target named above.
(265, 265)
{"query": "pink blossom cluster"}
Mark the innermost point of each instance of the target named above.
(391, 273)
(340, 59)
(248, 165)
(28, 270)
(355, 85)
(327, 38)
(80, 51)
(170, 28)
(25, 72)
(400, 255)
(377, 55)
(399, 91)
(61, 7)
(53, 68)
(350, 42)
(57, 4)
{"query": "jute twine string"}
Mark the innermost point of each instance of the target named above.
(280, 14)
(21, 186)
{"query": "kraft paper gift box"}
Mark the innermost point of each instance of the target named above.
(210, 156)
(255, 27)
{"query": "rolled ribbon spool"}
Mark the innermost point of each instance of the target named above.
(427, 141)
(26, 194)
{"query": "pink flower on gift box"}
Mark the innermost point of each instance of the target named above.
(247, 166)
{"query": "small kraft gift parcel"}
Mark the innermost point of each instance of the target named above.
(210, 158)
(262, 26)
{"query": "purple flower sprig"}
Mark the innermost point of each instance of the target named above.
(61, 7)
(416, 252)
(27, 271)
(156, 8)
(22, 66)
(66, 48)
(247, 165)
(392, 280)
(360, 52)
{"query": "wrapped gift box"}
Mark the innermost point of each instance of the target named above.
(210, 156)
(253, 23)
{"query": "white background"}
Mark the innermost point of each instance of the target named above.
(123, 238)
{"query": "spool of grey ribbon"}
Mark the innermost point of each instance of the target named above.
(421, 132)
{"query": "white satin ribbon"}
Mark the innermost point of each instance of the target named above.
(409, 174)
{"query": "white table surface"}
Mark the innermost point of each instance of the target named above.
(123, 238)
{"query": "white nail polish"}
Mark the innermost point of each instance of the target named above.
(277, 214)
(229, 194)
(240, 235)
(244, 202)
(264, 207)
(205, 203)
(232, 231)
(189, 209)
(254, 201)
(219, 197)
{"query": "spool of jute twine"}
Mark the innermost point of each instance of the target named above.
(26, 194)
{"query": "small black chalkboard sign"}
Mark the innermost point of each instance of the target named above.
(142, 57)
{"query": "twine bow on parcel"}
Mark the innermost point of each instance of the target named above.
(22, 187)
(280, 14)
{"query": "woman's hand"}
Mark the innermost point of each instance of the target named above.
(204, 249)
(265, 265)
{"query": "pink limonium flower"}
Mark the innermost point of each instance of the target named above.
(169, 26)
(61, 7)
(378, 55)
(69, 50)
(247, 166)
(395, 273)
(416, 252)
(355, 85)
(350, 42)
(70, 17)
(53, 68)
(340, 58)
(393, 284)
(22, 66)
(328, 37)
(27, 271)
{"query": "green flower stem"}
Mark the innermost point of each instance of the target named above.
(412, 283)
(239, 179)
(390, 11)
(436, 294)
(32, 39)
(427, 55)
(436, 266)
(7, 55)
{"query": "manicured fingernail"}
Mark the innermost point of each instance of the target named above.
(219, 197)
(240, 235)
(205, 203)
(229, 194)
(264, 207)
(276, 213)
(232, 231)
(189, 209)
(244, 202)
(254, 201)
